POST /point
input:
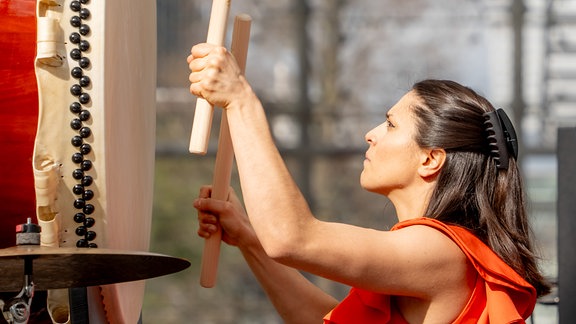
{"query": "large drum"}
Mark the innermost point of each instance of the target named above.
(78, 131)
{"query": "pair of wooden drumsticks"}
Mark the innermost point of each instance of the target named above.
(202, 123)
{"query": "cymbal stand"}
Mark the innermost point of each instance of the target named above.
(17, 310)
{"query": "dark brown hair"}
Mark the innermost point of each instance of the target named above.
(471, 192)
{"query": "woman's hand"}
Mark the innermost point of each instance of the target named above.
(294, 296)
(215, 75)
(229, 214)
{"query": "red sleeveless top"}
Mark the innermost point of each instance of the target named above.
(500, 296)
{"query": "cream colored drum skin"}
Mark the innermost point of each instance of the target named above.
(94, 150)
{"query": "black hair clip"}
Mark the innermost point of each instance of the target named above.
(501, 136)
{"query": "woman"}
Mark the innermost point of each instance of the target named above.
(461, 251)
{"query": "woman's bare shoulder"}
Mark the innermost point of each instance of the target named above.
(432, 261)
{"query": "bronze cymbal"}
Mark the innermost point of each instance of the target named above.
(54, 268)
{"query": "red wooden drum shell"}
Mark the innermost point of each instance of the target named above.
(18, 115)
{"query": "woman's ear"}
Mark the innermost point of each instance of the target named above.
(432, 162)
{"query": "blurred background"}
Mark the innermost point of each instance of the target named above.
(327, 72)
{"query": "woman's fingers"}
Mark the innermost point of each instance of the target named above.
(201, 50)
(214, 213)
(207, 219)
(214, 74)
(208, 224)
(206, 230)
(215, 59)
(205, 191)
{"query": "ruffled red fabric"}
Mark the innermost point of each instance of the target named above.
(500, 296)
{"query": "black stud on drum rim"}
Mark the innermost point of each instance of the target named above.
(81, 116)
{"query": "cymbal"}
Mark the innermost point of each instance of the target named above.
(54, 268)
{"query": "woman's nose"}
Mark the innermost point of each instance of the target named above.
(369, 137)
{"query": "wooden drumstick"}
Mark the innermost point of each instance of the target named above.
(224, 156)
(204, 111)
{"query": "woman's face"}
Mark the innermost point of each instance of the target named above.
(393, 156)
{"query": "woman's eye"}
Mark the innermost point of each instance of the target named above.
(388, 123)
